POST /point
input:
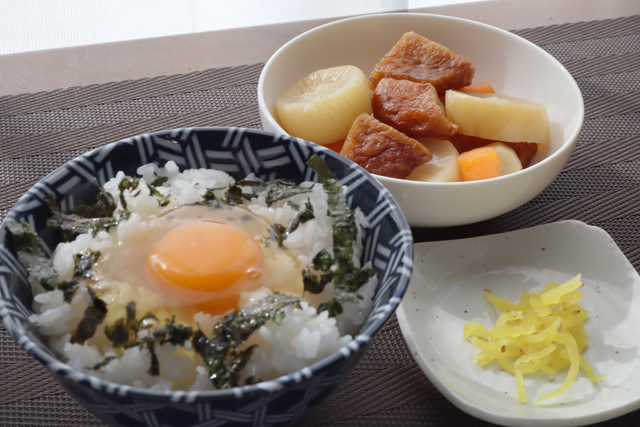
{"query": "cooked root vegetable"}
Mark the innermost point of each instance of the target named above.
(509, 161)
(420, 89)
(335, 146)
(479, 163)
(322, 106)
(498, 117)
(443, 166)
(480, 87)
(542, 333)
(524, 150)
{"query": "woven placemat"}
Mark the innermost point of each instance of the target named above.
(600, 186)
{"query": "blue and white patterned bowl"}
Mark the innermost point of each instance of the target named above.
(388, 244)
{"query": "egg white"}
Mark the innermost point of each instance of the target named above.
(120, 275)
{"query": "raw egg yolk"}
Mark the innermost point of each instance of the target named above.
(205, 264)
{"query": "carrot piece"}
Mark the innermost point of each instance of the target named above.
(480, 87)
(335, 146)
(479, 163)
(524, 150)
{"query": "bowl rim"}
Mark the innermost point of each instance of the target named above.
(358, 343)
(568, 143)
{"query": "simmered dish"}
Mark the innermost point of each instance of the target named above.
(420, 117)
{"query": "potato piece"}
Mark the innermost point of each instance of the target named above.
(498, 117)
(509, 161)
(443, 166)
(322, 106)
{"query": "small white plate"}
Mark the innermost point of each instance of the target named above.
(446, 291)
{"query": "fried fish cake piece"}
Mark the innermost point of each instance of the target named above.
(383, 150)
(411, 107)
(419, 59)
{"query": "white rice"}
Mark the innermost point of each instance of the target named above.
(303, 338)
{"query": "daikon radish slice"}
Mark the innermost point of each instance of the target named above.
(498, 117)
(509, 160)
(322, 106)
(443, 166)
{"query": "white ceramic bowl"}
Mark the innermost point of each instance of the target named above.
(510, 63)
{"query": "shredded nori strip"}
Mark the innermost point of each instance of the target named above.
(279, 317)
(104, 207)
(162, 199)
(83, 269)
(209, 195)
(104, 362)
(234, 196)
(127, 183)
(158, 182)
(315, 283)
(154, 366)
(173, 333)
(251, 380)
(72, 224)
(344, 224)
(124, 334)
(133, 183)
(221, 357)
(293, 204)
(83, 218)
(40, 266)
(31, 255)
(346, 278)
(123, 331)
(303, 216)
(278, 232)
(276, 190)
(281, 189)
(93, 316)
(100, 211)
(322, 260)
(333, 306)
(23, 237)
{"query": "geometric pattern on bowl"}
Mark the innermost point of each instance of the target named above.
(388, 245)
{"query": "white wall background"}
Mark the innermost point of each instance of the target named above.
(28, 25)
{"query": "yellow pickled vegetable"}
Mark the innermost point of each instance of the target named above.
(542, 333)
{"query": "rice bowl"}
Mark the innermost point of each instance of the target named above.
(386, 246)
